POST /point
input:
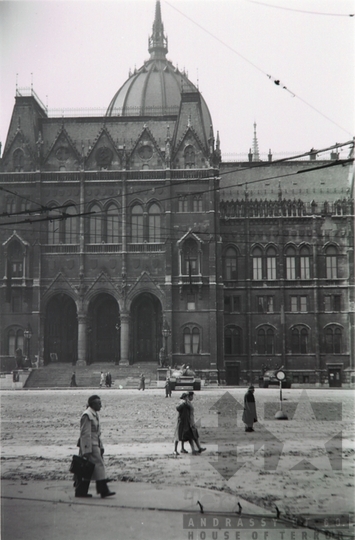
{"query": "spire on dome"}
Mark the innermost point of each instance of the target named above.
(158, 42)
(256, 156)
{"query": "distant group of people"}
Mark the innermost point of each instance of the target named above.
(105, 379)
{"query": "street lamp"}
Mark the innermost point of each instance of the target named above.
(28, 334)
(281, 415)
(166, 333)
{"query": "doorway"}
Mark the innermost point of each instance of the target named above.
(147, 323)
(232, 374)
(61, 330)
(103, 328)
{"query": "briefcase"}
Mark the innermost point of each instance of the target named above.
(82, 467)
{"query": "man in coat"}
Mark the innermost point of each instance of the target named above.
(91, 448)
(249, 413)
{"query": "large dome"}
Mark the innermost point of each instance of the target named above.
(155, 89)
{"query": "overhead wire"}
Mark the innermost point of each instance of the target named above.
(275, 80)
(302, 10)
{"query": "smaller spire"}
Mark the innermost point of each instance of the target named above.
(256, 156)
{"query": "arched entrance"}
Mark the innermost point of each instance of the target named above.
(103, 327)
(61, 330)
(146, 335)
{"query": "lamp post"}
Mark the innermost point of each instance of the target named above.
(281, 415)
(28, 334)
(166, 333)
(118, 330)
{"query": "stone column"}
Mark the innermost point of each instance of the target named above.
(124, 339)
(81, 340)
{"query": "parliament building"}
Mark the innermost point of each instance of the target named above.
(127, 235)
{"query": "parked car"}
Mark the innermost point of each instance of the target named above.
(269, 379)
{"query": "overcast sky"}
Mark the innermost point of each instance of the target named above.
(80, 53)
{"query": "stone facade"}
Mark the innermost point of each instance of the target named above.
(125, 234)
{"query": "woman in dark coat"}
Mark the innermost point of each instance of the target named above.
(249, 413)
(183, 430)
(186, 429)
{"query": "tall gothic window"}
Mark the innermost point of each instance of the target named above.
(112, 224)
(257, 264)
(197, 203)
(190, 263)
(233, 340)
(305, 271)
(299, 340)
(265, 341)
(95, 225)
(154, 229)
(15, 260)
(70, 226)
(18, 160)
(333, 339)
(331, 262)
(191, 340)
(189, 156)
(271, 263)
(290, 263)
(137, 224)
(230, 264)
(183, 203)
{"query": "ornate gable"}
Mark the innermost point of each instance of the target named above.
(144, 283)
(60, 284)
(18, 156)
(102, 283)
(189, 152)
(103, 154)
(189, 235)
(146, 153)
(63, 155)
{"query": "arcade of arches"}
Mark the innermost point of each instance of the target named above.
(100, 335)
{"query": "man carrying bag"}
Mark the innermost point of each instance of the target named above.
(91, 449)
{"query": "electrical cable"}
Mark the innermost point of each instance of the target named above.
(274, 79)
(302, 11)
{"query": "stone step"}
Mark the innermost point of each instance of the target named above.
(59, 375)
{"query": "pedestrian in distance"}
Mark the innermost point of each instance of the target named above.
(167, 387)
(102, 379)
(142, 382)
(249, 413)
(108, 380)
(91, 448)
(73, 380)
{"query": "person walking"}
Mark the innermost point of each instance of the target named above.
(73, 380)
(142, 382)
(167, 387)
(91, 448)
(195, 433)
(102, 379)
(183, 432)
(249, 413)
(108, 380)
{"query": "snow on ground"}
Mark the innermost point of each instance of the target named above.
(303, 465)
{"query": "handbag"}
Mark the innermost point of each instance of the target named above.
(81, 467)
